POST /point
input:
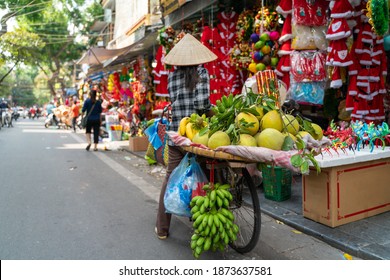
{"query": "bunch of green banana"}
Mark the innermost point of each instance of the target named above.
(224, 113)
(212, 220)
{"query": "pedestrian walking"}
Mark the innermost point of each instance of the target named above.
(93, 108)
(75, 109)
(189, 92)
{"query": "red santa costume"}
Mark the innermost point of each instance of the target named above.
(338, 32)
(367, 85)
(229, 76)
(160, 74)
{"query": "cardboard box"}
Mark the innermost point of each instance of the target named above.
(345, 193)
(138, 143)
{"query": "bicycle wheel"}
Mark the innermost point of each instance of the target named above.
(245, 207)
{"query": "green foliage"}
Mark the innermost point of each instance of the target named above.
(303, 158)
(49, 35)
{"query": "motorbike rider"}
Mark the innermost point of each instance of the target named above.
(4, 106)
(49, 110)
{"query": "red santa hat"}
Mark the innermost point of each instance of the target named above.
(286, 33)
(339, 55)
(338, 29)
(285, 7)
(336, 81)
(341, 9)
(285, 49)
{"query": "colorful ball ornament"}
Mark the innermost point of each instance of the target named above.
(254, 38)
(257, 56)
(252, 67)
(266, 49)
(274, 35)
(270, 43)
(260, 66)
(259, 45)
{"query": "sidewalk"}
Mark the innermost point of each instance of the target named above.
(365, 239)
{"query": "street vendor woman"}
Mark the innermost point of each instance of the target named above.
(189, 92)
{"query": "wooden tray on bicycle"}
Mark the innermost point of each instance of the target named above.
(214, 154)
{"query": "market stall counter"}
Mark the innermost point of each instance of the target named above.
(350, 187)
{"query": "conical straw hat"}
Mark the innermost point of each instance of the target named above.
(189, 51)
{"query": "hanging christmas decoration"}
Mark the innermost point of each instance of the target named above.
(378, 16)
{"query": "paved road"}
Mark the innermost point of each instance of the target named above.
(58, 201)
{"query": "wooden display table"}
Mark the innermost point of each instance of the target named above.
(350, 187)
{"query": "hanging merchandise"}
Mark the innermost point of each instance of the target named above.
(308, 66)
(226, 28)
(378, 16)
(308, 93)
(306, 51)
(366, 73)
(213, 41)
(160, 74)
(310, 12)
(240, 56)
(285, 8)
(308, 37)
(166, 37)
(264, 41)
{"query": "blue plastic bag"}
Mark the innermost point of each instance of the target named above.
(187, 177)
(177, 196)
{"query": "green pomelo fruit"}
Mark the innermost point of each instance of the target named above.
(291, 124)
(247, 140)
(250, 118)
(204, 139)
(259, 110)
(219, 138)
(318, 131)
(272, 119)
(270, 138)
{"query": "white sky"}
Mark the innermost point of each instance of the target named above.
(11, 23)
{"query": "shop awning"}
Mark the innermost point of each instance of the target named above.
(97, 56)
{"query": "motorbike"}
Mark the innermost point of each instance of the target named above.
(51, 121)
(6, 118)
(15, 114)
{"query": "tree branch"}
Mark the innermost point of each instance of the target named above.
(9, 71)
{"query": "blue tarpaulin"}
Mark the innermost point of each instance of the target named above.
(71, 91)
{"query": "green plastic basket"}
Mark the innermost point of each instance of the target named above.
(277, 183)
